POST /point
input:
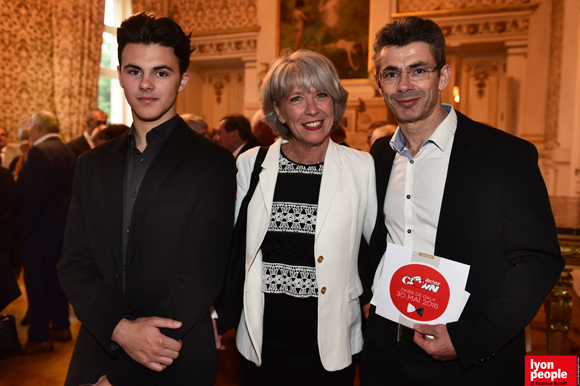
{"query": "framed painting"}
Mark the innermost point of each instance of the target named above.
(338, 29)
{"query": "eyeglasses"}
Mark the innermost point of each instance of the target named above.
(417, 73)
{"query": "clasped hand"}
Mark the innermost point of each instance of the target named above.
(438, 344)
(145, 344)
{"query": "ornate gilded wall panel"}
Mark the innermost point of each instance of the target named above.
(499, 26)
(431, 5)
(555, 74)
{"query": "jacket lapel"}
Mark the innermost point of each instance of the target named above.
(464, 157)
(269, 175)
(264, 198)
(168, 157)
(113, 178)
(329, 184)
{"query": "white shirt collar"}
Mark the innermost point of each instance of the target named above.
(44, 138)
(441, 137)
(239, 149)
(88, 138)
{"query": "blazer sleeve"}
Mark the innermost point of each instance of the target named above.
(82, 273)
(535, 263)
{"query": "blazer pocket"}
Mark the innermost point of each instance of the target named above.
(354, 290)
(346, 197)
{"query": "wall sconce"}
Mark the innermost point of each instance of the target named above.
(456, 97)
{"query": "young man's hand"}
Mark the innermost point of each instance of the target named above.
(145, 344)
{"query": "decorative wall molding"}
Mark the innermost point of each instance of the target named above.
(496, 20)
(231, 45)
(485, 28)
(443, 8)
(555, 74)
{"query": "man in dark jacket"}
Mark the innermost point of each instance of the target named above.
(44, 189)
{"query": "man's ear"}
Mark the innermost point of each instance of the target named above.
(119, 75)
(379, 88)
(183, 82)
(445, 77)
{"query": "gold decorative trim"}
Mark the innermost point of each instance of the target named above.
(225, 31)
(570, 248)
(468, 11)
(500, 27)
(241, 45)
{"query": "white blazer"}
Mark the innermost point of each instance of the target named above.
(347, 206)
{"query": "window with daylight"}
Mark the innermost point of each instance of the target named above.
(110, 94)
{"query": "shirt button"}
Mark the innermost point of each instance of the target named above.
(135, 193)
(127, 230)
(323, 290)
(142, 160)
(412, 161)
(320, 259)
(408, 231)
(408, 196)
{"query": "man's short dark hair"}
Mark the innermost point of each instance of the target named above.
(409, 30)
(240, 123)
(144, 28)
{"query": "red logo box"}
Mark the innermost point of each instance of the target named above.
(551, 370)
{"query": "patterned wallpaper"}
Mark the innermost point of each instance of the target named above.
(50, 52)
(202, 16)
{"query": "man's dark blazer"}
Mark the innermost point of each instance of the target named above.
(9, 289)
(79, 145)
(253, 142)
(176, 255)
(44, 191)
(496, 217)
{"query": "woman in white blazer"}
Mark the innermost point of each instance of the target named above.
(301, 322)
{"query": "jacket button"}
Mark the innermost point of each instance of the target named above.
(117, 275)
(323, 290)
(320, 259)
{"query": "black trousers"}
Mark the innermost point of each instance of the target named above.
(46, 299)
(387, 362)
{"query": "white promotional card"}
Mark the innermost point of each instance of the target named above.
(416, 287)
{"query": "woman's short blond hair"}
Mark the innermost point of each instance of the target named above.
(305, 69)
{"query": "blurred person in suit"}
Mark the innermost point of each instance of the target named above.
(9, 289)
(196, 123)
(261, 130)
(95, 120)
(44, 192)
(235, 134)
(110, 132)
